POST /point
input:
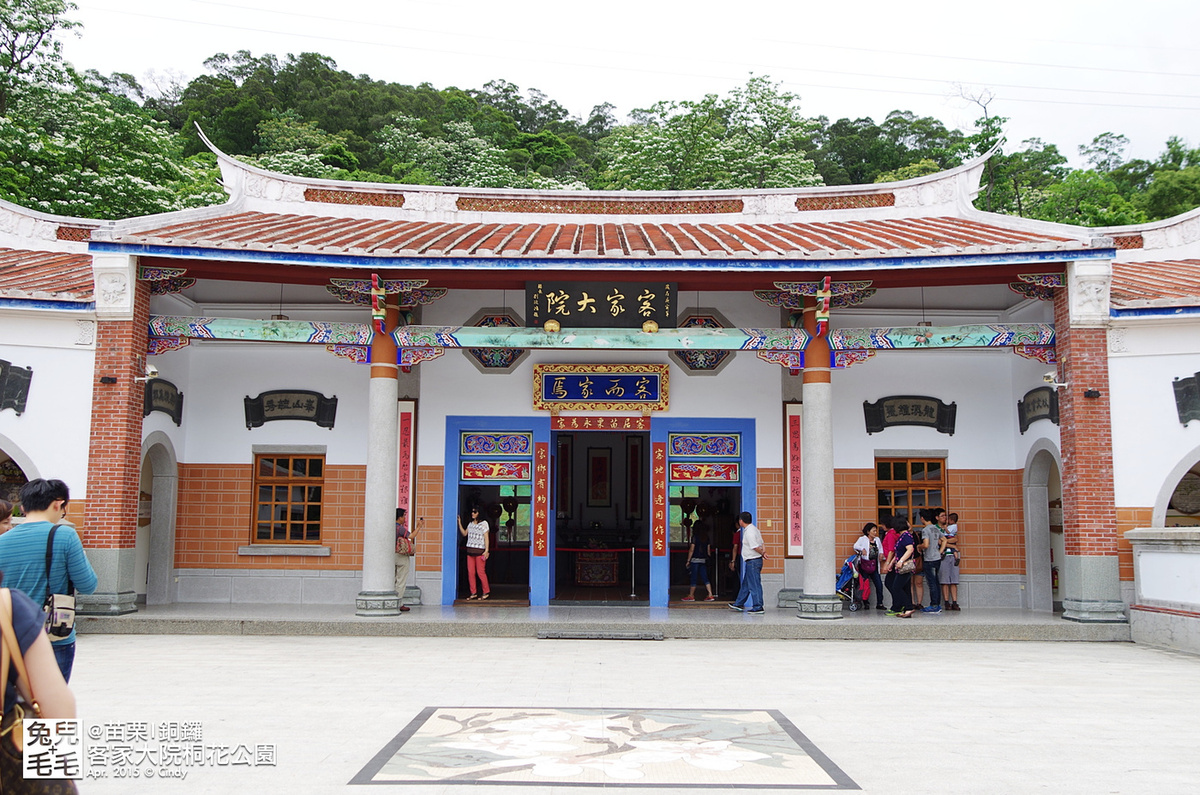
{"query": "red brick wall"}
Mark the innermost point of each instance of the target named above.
(1085, 430)
(769, 517)
(1130, 519)
(114, 465)
(991, 507)
(215, 516)
(428, 504)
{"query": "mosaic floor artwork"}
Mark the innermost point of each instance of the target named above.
(591, 748)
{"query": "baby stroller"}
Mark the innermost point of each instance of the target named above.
(847, 582)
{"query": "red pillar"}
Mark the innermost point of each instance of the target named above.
(1092, 590)
(1089, 508)
(114, 460)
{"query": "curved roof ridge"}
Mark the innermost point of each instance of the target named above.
(1174, 238)
(21, 227)
(1147, 226)
(963, 178)
(1093, 237)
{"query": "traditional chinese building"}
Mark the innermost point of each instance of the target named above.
(241, 396)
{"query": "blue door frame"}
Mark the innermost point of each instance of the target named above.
(660, 427)
(541, 568)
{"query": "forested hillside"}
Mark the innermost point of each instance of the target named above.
(112, 146)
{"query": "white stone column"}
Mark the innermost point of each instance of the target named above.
(819, 600)
(378, 596)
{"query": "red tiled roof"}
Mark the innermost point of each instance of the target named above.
(1171, 283)
(388, 237)
(53, 275)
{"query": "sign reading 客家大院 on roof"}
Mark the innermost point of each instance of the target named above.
(600, 304)
(920, 410)
(290, 404)
(600, 387)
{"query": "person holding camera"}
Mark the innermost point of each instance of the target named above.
(39, 567)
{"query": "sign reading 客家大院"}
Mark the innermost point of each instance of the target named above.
(162, 395)
(1038, 404)
(290, 404)
(600, 304)
(600, 387)
(928, 412)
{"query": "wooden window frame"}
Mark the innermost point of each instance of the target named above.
(909, 485)
(288, 482)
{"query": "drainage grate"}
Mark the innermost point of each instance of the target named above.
(543, 635)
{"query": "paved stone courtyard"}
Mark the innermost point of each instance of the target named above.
(888, 716)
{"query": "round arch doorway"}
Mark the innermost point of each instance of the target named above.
(1045, 547)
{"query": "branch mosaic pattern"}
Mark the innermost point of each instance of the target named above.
(747, 339)
(675, 748)
(224, 328)
(976, 336)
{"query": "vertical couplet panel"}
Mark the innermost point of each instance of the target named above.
(660, 558)
(795, 520)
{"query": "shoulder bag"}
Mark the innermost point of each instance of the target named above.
(59, 607)
(12, 776)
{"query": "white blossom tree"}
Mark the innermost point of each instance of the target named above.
(750, 139)
(91, 154)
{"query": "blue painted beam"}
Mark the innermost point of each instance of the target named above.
(842, 261)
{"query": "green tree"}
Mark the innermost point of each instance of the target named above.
(542, 152)
(670, 146)
(286, 132)
(914, 138)
(1024, 173)
(1105, 153)
(989, 131)
(920, 168)
(460, 158)
(754, 138)
(1172, 192)
(1083, 198)
(91, 154)
(30, 45)
(1177, 155)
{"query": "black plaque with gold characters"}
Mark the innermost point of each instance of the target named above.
(162, 395)
(1038, 404)
(290, 404)
(927, 412)
(14, 386)
(1187, 398)
(600, 304)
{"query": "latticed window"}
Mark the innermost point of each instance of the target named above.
(288, 490)
(906, 485)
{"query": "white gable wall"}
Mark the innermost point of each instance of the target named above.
(54, 432)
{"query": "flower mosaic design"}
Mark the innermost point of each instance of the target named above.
(709, 755)
(585, 747)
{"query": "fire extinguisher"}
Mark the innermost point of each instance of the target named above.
(1053, 573)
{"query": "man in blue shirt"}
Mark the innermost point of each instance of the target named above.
(23, 555)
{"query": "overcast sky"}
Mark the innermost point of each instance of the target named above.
(1062, 70)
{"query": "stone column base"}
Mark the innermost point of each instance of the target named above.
(789, 597)
(106, 604)
(818, 607)
(1094, 611)
(377, 603)
(412, 595)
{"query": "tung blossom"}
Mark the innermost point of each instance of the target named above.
(705, 754)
